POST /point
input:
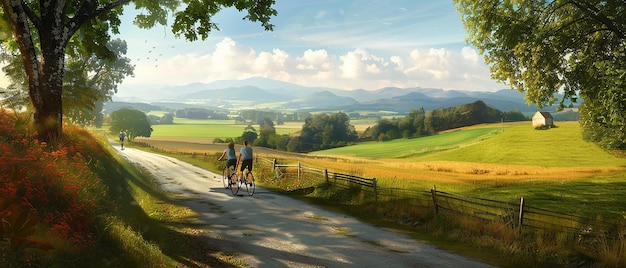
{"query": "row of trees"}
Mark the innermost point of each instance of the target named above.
(199, 113)
(325, 131)
(257, 116)
(419, 123)
(319, 132)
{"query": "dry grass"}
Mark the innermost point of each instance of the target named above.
(407, 169)
(450, 171)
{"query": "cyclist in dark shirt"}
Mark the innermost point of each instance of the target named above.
(245, 159)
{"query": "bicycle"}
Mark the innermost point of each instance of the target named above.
(229, 179)
(250, 185)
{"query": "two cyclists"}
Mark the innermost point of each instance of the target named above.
(244, 160)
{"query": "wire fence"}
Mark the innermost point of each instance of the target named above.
(522, 216)
(516, 215)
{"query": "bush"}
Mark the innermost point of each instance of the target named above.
(49, 198)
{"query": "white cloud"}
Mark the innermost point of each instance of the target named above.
(314, 60)
(435, 67)
(470, 55)
(352, 65)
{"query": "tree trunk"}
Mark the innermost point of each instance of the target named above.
(49, 113)
(44, 71)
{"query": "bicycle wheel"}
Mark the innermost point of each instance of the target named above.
(243, 183)
(234, 186)
(225, 177)
(249, 184)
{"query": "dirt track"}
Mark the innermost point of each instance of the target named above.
(272, 230)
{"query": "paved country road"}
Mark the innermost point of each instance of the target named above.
(272, 230)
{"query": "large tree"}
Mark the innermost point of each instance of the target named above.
(43, 29)
(544, 47)
(133, 122)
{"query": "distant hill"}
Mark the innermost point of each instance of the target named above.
(320, 100)
(245, 93)
(264, 93)
(110, 107)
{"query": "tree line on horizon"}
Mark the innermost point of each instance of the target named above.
(326, 131)
(419, 123)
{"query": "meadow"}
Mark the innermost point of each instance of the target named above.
(510, 151)
(207, 130)
(488, 160)
(509, 144)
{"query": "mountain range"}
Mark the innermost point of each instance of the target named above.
(263, 93)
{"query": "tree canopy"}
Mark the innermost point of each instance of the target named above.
(43, 30)
(134, 122)
(543, 47)
(419, 123)
(324, 131)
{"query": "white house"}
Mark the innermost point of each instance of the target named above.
(542, 119)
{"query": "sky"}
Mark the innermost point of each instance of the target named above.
(344, 44)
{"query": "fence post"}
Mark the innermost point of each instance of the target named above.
(521, 214)
(434, 194)
(326, 175)
(298, 171)
(274, 164)
(375, 190)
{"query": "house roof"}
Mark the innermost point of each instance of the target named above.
(544, 114)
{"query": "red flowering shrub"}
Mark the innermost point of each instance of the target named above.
(56, 186)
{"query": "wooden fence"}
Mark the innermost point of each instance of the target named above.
(516, 215)
(521, 215)
(328, 176)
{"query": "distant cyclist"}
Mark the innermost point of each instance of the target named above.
(122, 137)
(231, 159)
(245, 158)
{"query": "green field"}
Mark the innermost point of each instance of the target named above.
(512, 144)
(191, 128)
(405, 148)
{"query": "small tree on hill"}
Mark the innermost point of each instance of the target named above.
(249, 133)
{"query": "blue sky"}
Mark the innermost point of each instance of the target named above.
(347, 44)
